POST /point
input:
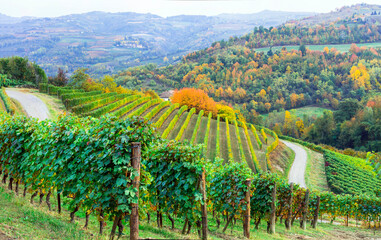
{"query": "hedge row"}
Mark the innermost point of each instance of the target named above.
(72, 95)
(9, 107)
(75, 102)
(65, 90)
(242, 153)
(43, 87)
(264, 135)
(172, 124)
(206, 138)
(144, 108)
(254, 131)
(90, 106)
(111, 107)
(195, 130)
(52, 90)
(218, 153)
(228, 140)
(165, 115)
(156, 110)
(254, 157)
(126, 109)
(185, 125)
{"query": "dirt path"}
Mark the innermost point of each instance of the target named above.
(297, 171)
(32, 105)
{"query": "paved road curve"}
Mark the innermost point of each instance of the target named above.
(297, 171)
(32, 105)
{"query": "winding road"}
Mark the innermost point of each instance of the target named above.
(297, 171)
(33, 106)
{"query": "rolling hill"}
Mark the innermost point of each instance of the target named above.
(108, 42)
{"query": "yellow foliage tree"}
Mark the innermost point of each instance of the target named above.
(360, 77)
(262, 93)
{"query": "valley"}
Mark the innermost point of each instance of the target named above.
(231, 126)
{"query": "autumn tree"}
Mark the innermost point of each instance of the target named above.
(360, 77)
(60, 79)
(195, 98)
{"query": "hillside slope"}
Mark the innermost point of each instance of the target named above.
(235, 141)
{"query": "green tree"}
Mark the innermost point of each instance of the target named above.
(303, 49)
(347, 109)
(79, 77)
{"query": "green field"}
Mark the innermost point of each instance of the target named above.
(339, 47)
(308, 110)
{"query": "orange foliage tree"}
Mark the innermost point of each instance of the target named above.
(195, 98)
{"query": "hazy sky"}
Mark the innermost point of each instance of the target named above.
(51, 8)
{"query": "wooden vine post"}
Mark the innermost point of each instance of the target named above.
(303, 223)
(316, 214)
(204, 216)
(246, 222)
(134, 219)
(271, 228)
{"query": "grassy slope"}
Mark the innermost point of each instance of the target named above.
(168, 121)
(19, 219)
(212, 139)
(315, 171)
(281, 159)
(179, 124)
(201, 131)
(234, 143)
(158, 115)
(246, 149)
(223, 142)
(261, 155)
(148, 110)
(187, 135)
(201, 134)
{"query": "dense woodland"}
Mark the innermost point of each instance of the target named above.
(20, 71)
(255, 83)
